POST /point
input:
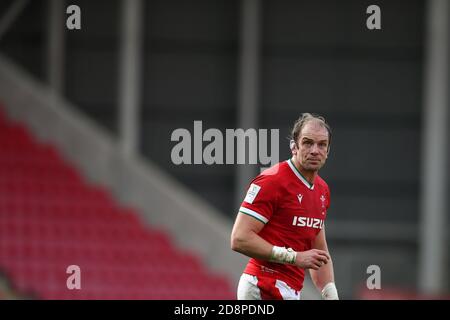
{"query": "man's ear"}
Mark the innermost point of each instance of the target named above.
(328, 151)
(293, 147)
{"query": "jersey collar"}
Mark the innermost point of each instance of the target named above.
(299, 175)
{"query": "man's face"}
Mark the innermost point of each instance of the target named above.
(311, 149)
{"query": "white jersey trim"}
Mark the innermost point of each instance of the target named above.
(254, 214)
(298, 174)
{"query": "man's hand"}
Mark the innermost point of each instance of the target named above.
(312, 259)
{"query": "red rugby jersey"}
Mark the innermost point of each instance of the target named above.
(293, 212)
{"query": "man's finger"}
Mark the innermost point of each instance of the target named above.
(322, 259)
(324, 253)
(318, 264)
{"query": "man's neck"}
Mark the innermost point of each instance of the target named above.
(307, 174)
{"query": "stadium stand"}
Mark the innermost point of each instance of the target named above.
(52, 218)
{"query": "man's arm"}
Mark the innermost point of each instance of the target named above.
(245, 239)
(323, 278)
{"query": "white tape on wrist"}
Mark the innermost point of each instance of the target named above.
(329, 292)
(283, 255)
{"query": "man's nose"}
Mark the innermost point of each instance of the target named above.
(315, 149)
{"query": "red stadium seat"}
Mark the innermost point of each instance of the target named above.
(51, 218)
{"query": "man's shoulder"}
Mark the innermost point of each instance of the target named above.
(321, 183)
(273, 175)
(275, 172)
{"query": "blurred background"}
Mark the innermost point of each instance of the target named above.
(86, 118)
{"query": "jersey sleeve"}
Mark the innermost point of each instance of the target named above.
(261, 199)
